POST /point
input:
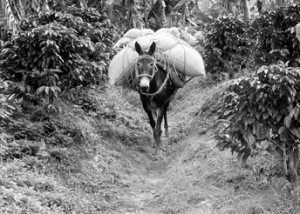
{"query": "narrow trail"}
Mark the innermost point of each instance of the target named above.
(192, 176)
(168, 186)
(155, 179)
(148, 186)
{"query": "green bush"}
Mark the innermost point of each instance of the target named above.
(47, 60)
(56, 52)
(276, 40)
(264, 108)
(227, 47)
(8, 103)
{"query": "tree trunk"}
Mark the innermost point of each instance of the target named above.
(15, 9)
(246, 10)
(259, 5)
(23, 8)
(231, 7)
(146, 14)
(285, 160)
(292, 164)
(163, 22)
(81, 3)
(130, 14)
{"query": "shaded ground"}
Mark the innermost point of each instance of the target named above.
(114, 169)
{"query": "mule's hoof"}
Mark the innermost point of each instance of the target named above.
(159, 155)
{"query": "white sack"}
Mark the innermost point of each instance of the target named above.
(185, 59)
(121, 65)
(131, 35)
(169, 51)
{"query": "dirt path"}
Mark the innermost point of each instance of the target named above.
(154, 186)
(145, 189)
(193, 176)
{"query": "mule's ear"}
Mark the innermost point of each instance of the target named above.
(138, 48)
(152, 48)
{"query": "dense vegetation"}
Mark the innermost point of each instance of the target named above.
(55, 54)
(227, 47)
(275, 35)
(57, 58)
(265, 106)
(54, 111)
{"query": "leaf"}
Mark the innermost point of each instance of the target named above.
(47, 90)
(296, 132)
(249, 137)
(40, 89)
(287, 121)
(257, 115)
(111, 2)
(265, 116)
(282, 129)
(294, 112)
(279, 117)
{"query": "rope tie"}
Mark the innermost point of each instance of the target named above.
(156, 60)
(160, 88)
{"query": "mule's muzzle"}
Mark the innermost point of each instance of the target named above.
(144, 84)
(144, 89)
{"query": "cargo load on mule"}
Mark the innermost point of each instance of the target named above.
(173, 54)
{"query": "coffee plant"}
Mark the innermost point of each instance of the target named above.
(56, 52)
(264, 107)
(227, 47)
(47, 60)
(7, 102)
(276, 40)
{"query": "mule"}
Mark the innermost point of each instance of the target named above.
(156, 90)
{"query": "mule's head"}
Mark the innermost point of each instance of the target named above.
(145, 66)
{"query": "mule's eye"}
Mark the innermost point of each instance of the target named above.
(139, 64)
(151, 64)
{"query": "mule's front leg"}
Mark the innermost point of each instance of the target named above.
(152, 124)
(166, 120)
(157, 131)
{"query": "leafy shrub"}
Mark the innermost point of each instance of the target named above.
(57, 52)
(264, 107)
(227, 47)
(275, 39)
(47, 60)
(8, 102)
(87, 22)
